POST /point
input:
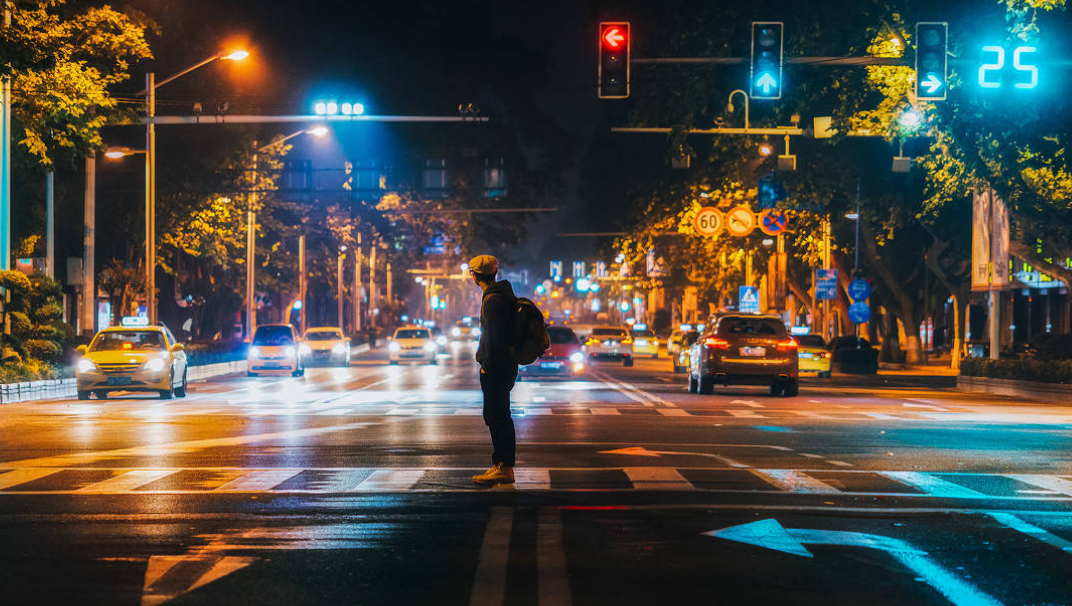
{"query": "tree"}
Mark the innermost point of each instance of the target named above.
(125, 285)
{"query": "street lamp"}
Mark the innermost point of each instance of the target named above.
(150, 169)
(729, 106)
(116, 153)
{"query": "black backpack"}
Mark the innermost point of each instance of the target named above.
(530, 333)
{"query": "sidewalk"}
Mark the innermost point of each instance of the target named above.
(935, 366)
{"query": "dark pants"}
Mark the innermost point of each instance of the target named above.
(496, 385)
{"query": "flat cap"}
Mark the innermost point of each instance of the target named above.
(484, 264)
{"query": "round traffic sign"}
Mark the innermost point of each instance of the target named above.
(859, 312)
(773, 222)
(859, 290)
(708, 221)
(740, 221)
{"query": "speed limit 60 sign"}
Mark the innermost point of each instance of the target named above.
(708, 221)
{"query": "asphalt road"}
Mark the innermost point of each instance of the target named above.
(351, 486)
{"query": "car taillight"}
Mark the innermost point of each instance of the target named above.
(592, 342)
(789, 345)
(716, 343)
(825, 354)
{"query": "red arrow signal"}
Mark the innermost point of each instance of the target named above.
(613, 38)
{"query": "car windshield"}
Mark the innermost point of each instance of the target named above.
(647, 334)
(415, 333)
(561, 336)
(273, 335)
(323, 335)
(133, 340)
(811, 341)
(608, 332)
(761, 327)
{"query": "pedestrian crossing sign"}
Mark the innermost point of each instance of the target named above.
(748, 301)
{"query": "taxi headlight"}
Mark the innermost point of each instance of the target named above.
(394, 346)
(476, 331)
(254, 352)
(304, 349)
(155, 365)
(339, 348)
(441, 340)
(86, 365)
(576, 357)
(290, 352)
(456, 332)
(429, 346)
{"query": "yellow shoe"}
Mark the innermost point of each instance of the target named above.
(498, 474)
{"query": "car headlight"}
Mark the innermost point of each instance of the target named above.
(254, 352)
(155, 365)
(339, 348)
(290, 352)
(441, 340)
(394, 346)
(429, 346)
(455, 332)
(305, 349)
(476, 331)
(86, 365)
(576, 357)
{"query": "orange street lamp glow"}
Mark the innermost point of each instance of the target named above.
(237, 55)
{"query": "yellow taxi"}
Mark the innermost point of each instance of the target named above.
(132, 357)
(813, 356)
(645, 343)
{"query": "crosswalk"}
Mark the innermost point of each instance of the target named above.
(341, 481)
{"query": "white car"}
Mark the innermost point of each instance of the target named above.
(275, 349)
(412, 344)
(326, 345)
(610, 342)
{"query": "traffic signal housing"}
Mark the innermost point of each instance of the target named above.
(931, 61)
(614, 42)
(765, 77)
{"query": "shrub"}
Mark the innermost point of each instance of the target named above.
(43, 349)
(1024, 369)
(1051, 346)
(20, 324)
(32, 370)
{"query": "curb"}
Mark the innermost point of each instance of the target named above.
(1056, 393)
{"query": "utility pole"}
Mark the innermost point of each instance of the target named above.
(339, 294)
(390, 297)
(50, 224)
(358, 260)
(372, 284)
(150, 197)
(5, 160)
(994, 297)
(301, 283)
(827, 332)
(89, 234)
(251, 321)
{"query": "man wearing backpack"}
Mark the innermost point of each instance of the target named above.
(498, 367)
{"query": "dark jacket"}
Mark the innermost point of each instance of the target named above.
(497, 327)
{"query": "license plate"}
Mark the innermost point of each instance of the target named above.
(753, 352)
(805, 354)
(271, 365)
(551, 365)
(119, 380)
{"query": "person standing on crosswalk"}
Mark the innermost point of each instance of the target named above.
(498, 370)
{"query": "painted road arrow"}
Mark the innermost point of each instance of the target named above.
(640, 451)
(931, 83)
(769, 534)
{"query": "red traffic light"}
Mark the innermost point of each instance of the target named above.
(615, 36)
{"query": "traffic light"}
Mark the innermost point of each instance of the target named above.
(931, 40)
(765, 81)
(614, 43)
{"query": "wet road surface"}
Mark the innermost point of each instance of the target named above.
(351, 485)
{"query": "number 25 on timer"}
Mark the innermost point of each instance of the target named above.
(992, 71)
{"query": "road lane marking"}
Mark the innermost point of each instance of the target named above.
(933, 486)
(657, 478)
(128, 481)
(839, 463)
(527, 478)
(78, 458)
(880, 416)
(812, 415)
(258, 481)
(489, 582)
(605, 411)
(22, 476)
(1015, 523)
(811, 456)
(790, 480)
(387, 480)
(1051, 483)
(751, 403)
(927, 406)
(673, 412)
(751, 414)
(552, 580)
(402, 411)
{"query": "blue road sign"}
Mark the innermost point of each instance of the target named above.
(825, 284)
(748, 301)
(859, 312)
(859, 290)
